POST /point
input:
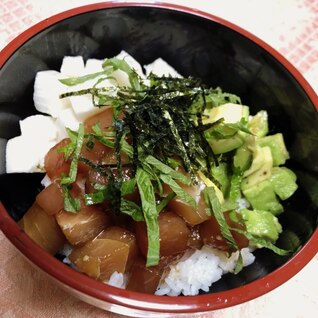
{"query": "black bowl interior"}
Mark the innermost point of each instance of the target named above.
(194, 46)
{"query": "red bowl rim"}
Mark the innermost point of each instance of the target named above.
(134, 300)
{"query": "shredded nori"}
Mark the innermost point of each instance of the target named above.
(164, 120)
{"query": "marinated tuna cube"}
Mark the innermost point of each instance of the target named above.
(54, 163)
(93, 153)
(43, 229)
(100, 258)
(210, 232)
(145, 279)
(84, 225)
(191, 215)
(104, 119)
(51, 199)
(122, 235)
(174, 234)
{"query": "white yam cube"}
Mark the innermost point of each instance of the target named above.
(160, 67)
(93, 66)
(26, 155)
(123, 55)
(72, 66)
(121, 79)
(39, 126)
(83, 106)
(67, 119)
(47, 90)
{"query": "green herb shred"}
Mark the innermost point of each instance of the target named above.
(158, 124)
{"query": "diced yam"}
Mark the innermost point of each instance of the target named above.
(93, 66)
(72, 66)
(67, 119)
(121, 78)
(39, 127)
(83, 106)
(43, 229)
(100, 258)
(123, 55)
(47, 90)
(160, 67)
(26, 155)
(84, 225)
(51, 199)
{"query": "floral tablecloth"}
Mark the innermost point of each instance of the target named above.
(290, 26)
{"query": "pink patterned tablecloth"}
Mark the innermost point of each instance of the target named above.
(290, 26)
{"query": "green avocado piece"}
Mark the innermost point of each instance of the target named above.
(263, 197)
(243, 158)
(277, 146)
(221, 174)
(258, 124)
(262, 224)
(227, 144)
(231, 113)
(257, 161)
(264, 171)
(283, 181)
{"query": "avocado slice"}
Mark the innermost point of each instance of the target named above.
(227, 144)
(283, 181)
(262, 224)
(258, 124)
(258, 160)
(263, 197)
(221, 174)
(230, 112)
(242, 159)
(278, 148)
(264, 155)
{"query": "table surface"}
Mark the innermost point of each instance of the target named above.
(291, 27)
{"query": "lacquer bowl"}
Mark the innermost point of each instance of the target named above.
(197, 44)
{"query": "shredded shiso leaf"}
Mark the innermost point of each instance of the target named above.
(161, 130)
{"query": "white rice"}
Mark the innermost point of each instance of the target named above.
(198, 270)
(242, 204)
(118, 280)
(66, 250)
